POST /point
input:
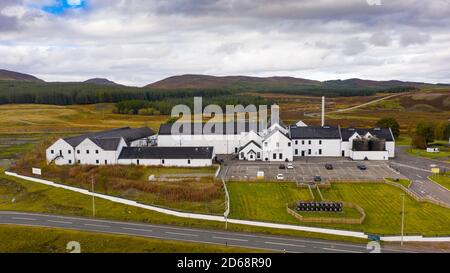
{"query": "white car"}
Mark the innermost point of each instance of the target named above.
(280, 176)
(290, 166)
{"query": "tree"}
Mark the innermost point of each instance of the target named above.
(390, 123)
(447, 132)
(419, 142)
(439, 131)
(426, 130)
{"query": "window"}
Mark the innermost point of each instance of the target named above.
(87, 151)
(60, 152)
(274, 156)
(296, 151)
(78, 151)
(309, 142)
(280, 156)
(320, 142)
(97, 162)
(106, 162)
(236, 150)
(303, 142)
(278, 144)
(138, 162)
(163, 162)
(266, 144)
(70, 161)
(52, 151)
(309, 152)
(258, 155)
(251, 156)
(79, 161)
(320, 151)
(296, 142)
(242, 155)
(96, 151)
(69, 151)
(189, 161)
(289, 144)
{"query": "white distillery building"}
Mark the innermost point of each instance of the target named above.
(276, 142)
(125, 146)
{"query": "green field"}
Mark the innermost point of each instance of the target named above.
(442, 155)
(382, 204)
(45, 240)
(443, 179)
(33, 197)
(404, 182)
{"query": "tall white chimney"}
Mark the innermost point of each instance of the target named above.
(323, 111)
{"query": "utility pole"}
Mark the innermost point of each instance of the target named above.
(93, 197)
(403, 217)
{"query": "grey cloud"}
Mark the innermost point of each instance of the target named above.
(414, 38)
(353, 46)
(380, 39)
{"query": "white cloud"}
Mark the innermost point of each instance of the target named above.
(137, 42)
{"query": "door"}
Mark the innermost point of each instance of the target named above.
(303, 153)
(343, 153)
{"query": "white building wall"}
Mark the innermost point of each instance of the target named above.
(244, 153)
(61, 147)
(390, 147)
(167, 162)
(370, 155)
(318, 147)
(88, 153)
(277, 144)
(223, 144)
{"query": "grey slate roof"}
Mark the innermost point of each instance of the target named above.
(166, 153)
(381, 133)
(127, 133)
(237, 128)
(257, 145)
(325, 132)
(107, 144)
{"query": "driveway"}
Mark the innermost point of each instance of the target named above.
(417, 170)
(304, 171)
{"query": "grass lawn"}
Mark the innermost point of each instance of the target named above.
(443, 154)
(33, 197)
(443, 179)
(18, 239)
(404, 182)
(403, 141)
(382, 204)
(264, 201)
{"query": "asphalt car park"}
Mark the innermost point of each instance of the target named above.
(306, 172)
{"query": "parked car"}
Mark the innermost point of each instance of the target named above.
(290, 166)
(280, 176)
(329, 167)
(362, 167)
(282, 167)
(317, 179)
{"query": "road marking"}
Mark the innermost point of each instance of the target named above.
(23, 218)
(93, 225)
(138, 229)
(341, 250)
(282, 244)
(231, 239)
(182, 234)
(59, 222)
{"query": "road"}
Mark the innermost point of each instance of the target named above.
(262, 242)
(417, 170)
(367, 103)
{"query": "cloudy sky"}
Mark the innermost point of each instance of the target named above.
(137, 42)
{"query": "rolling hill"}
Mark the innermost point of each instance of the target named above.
(101, 81)
(6, 75)
(262, 84)
(210, 82)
